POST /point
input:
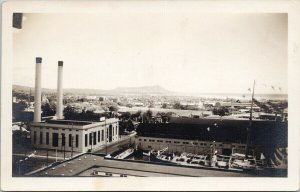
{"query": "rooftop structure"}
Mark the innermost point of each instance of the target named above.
(98, 166)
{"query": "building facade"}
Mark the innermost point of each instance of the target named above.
(78, 136)
(201, 135)
(189, 146)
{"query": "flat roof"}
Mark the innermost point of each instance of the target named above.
(85, 164)
(60, 123)
(214, 119)
(69, 122)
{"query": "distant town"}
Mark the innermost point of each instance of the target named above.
(146, 131)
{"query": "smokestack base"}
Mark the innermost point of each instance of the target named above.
(60, 63)
(38, 60)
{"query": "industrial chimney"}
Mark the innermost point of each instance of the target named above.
(38, 91)
(59, 105)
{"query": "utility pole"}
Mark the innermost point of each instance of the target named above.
(64, 152)
(20, 161)
(72, 140)
(55, 155)
(105, 136)
(92, 141)
(47, 157)
(250, 123)
(63, 144)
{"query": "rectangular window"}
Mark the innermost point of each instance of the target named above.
(70, 140)
(94, 138)
(34, 137)
(140, 139)
(47, 138)
(77, 140)
(90, 138)
(85, 140)
(41, 137)
(55, 139)
(98, 136)
(63, 139)
(113, 131)
(102, 135)
(145, 139)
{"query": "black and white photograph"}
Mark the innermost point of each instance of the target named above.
(149, 91)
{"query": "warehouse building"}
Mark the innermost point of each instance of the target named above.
(199, 135)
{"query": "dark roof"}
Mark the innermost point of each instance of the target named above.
(201, 121)
(69, 122)
(263, 132)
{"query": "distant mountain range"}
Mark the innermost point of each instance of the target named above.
(146, 90)
(156, 89)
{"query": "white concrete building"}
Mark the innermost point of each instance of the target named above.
(79, 136)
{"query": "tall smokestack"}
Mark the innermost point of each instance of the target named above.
(38, 91)
(59, 105)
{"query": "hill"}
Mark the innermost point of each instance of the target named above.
(117, 91)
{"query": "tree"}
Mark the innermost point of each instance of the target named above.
(17, 109)
(70, 113)
(113, 108)
(126, 116)
(49, 109)
(164, 106)
(177, 105)
(221, 111)
(137, 115)
(147, 116)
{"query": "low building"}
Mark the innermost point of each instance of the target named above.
(69, 135)
(200, 135)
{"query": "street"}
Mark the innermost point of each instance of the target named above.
(125, 140)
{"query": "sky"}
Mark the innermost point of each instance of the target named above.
(182, 52)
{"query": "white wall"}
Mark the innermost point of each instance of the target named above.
(80, 132)
(148, 143)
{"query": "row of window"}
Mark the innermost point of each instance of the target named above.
(94, 137)
(178, 142)
(56, 138)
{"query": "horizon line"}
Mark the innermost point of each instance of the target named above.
(174, 92)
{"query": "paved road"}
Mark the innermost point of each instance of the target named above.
(116, 146)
